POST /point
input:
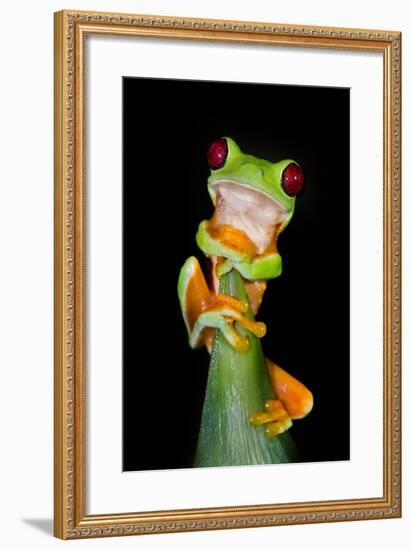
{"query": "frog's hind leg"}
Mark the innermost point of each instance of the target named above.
(295, 397)
(293, 401)
(255, 291)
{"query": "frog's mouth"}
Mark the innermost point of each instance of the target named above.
(254, 212)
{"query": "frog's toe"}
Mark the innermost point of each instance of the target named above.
(279, 427)
(275, 418)
(238, 341)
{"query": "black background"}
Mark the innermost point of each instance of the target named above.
(167, 127)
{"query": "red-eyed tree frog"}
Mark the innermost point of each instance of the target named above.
(254, 201)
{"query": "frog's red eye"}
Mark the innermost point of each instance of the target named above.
(292, 179)
(217, 153)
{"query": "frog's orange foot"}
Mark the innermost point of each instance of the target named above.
(225, 300)
(275, 418)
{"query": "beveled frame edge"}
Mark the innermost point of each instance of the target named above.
(70, 519)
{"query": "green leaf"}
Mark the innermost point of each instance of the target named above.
(238, 383)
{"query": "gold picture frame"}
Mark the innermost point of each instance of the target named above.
(70, 518)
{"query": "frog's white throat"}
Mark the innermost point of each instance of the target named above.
(248, 209)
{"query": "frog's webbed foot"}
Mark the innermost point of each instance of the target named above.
(275, 418)
(223, 318)
(293, 401)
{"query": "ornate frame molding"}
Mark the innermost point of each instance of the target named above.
(71, 520)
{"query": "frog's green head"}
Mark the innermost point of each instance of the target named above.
(234, 172)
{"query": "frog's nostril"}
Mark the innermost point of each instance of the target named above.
(292, 179)
(217, 153)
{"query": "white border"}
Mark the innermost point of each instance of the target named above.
(108, 489)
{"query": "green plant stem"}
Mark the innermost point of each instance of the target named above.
(238, 383)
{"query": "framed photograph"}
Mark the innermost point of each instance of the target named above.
(227, 274)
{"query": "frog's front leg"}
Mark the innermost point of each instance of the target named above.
(203, 310)
(223, 318)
